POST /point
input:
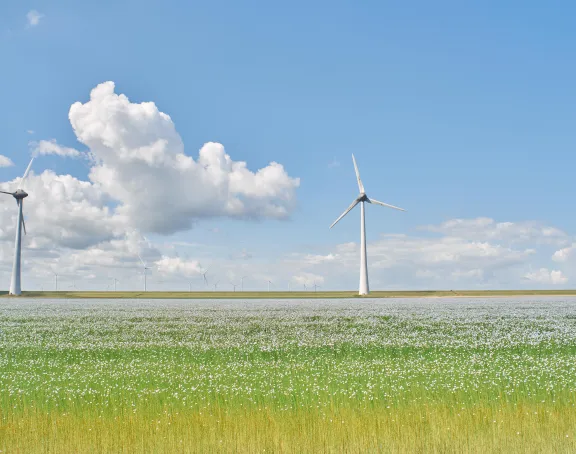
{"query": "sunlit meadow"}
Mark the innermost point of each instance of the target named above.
(418, 375)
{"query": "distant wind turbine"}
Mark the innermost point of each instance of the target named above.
(234, 285)
(361, 199)
(203, 273)
(315, 286)
(242, 281)
(269, 283)
(145, 272)
(19, 195)
(216, 285)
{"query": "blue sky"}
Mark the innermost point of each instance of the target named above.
(453, 111)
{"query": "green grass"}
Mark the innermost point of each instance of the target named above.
(289, 295)
(184, 376)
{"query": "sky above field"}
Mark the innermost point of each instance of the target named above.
(219, 135)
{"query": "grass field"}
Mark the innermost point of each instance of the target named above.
(403, 375)
(292, 295)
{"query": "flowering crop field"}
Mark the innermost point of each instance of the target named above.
(169, 376)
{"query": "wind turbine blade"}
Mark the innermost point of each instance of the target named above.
(9, 193)
(345, 212)
(385, 204)
(24, 225)
(360, 185)
(26, 173)
(143, 263)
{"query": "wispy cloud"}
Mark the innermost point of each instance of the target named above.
(33, 17)
(45, 147)
(5, 161)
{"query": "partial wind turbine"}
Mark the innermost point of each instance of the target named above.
(19, 195)
(361, 199)
(270, 283)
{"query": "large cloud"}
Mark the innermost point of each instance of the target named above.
(140, 180)
(140, 162)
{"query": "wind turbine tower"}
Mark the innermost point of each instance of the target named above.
(362, 198)
(19, 195)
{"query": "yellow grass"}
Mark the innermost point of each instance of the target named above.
(506, 429)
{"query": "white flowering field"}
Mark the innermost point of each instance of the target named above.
(410, 375)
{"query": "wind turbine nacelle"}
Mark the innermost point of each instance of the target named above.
(20, 194)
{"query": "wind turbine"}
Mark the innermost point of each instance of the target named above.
(242, 281)
(216, 285)
(19, 195)
(203, 273)
(269, 282)
(234, 285)
(315, 286)
(361, 199)
(56, 275)
(145, 269)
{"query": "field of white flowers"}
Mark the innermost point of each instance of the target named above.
(79, 373)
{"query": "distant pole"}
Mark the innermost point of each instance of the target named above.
(242, 281)
(56, 274)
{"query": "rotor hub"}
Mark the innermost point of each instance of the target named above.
(20, 194)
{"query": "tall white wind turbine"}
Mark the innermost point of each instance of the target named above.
(19, 195)
(361, 199)
(146, 268)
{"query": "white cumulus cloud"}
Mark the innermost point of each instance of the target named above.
(141, 163)
(5, 161)
(546, 276)
(564, 254)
